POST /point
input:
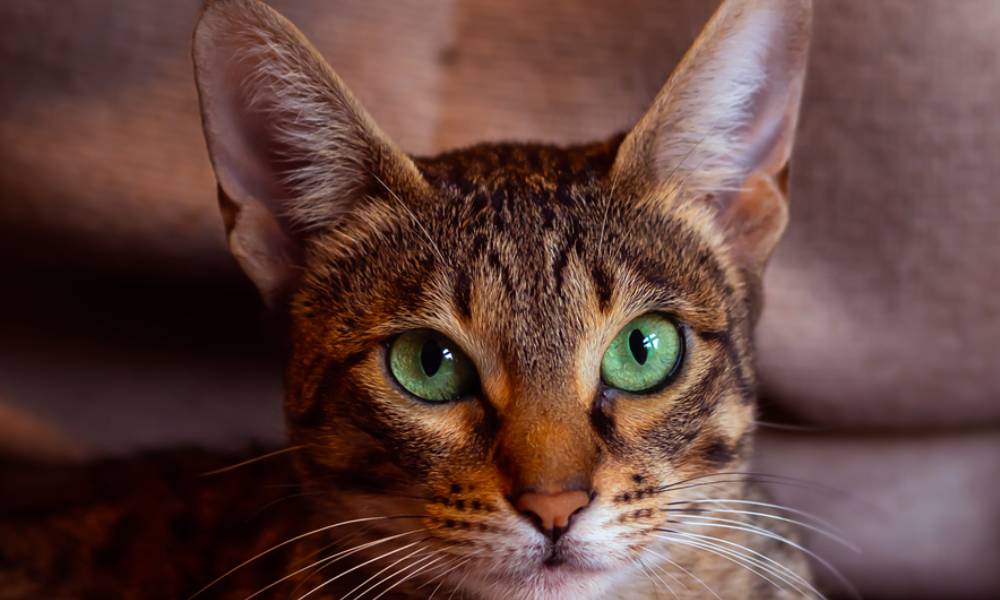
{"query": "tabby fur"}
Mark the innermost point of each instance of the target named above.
(531, 258)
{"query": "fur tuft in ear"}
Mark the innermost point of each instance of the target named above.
(725, 122)
(292, 149)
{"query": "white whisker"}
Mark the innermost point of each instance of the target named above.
(686, 572)
(290, 541)
(762, 561)
(355, 568)
(454, 590)
(765, 573)
(652, 584)
(802, 513)
(379, 572)
(443, 570)
(823, 532)
(650, 574)
(460, 564)
(741, 526)
(419, 570)
(253, 460)
(329, 560)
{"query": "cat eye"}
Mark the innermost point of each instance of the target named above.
(644, 355)
(431, 367)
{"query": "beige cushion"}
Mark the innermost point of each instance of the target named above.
(882, 312)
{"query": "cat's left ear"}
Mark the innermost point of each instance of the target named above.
(720, 131)
(292, 149)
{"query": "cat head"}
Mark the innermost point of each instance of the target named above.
(517, 353)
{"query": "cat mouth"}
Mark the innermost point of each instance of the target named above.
(554, 560)
(561, 559)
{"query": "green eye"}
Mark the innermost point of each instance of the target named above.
(431, 367)
(643, 355)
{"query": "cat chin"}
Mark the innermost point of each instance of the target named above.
(549, 583)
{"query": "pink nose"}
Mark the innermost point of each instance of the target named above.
(552, 513)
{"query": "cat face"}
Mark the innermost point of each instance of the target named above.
(521, 355)
(527, 269)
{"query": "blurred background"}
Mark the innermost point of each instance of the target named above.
(125, 325)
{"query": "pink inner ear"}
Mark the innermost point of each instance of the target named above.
(260, 244)
(776, 34)
(245, 150)
(726, 119)
(730, 108)
(754, 219)
(290, 145)
(244, 146)
(770, 133)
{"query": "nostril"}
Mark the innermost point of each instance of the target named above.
(552, 514)
(535, 519)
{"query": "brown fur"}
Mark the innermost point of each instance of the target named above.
(150, 527)
(534, 315)
(531, 258)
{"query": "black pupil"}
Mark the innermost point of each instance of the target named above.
(637, 344)
(431, 356)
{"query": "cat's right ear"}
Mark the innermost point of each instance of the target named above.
(293, 151)
(719, 134)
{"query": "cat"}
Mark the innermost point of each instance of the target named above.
(515, 370)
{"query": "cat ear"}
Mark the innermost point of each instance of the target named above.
(292, 149)
(721, 129)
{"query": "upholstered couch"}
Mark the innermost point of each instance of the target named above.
(125, 324)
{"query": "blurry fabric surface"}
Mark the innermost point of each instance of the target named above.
(921, 507)
(125, 323)
(878, 298)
